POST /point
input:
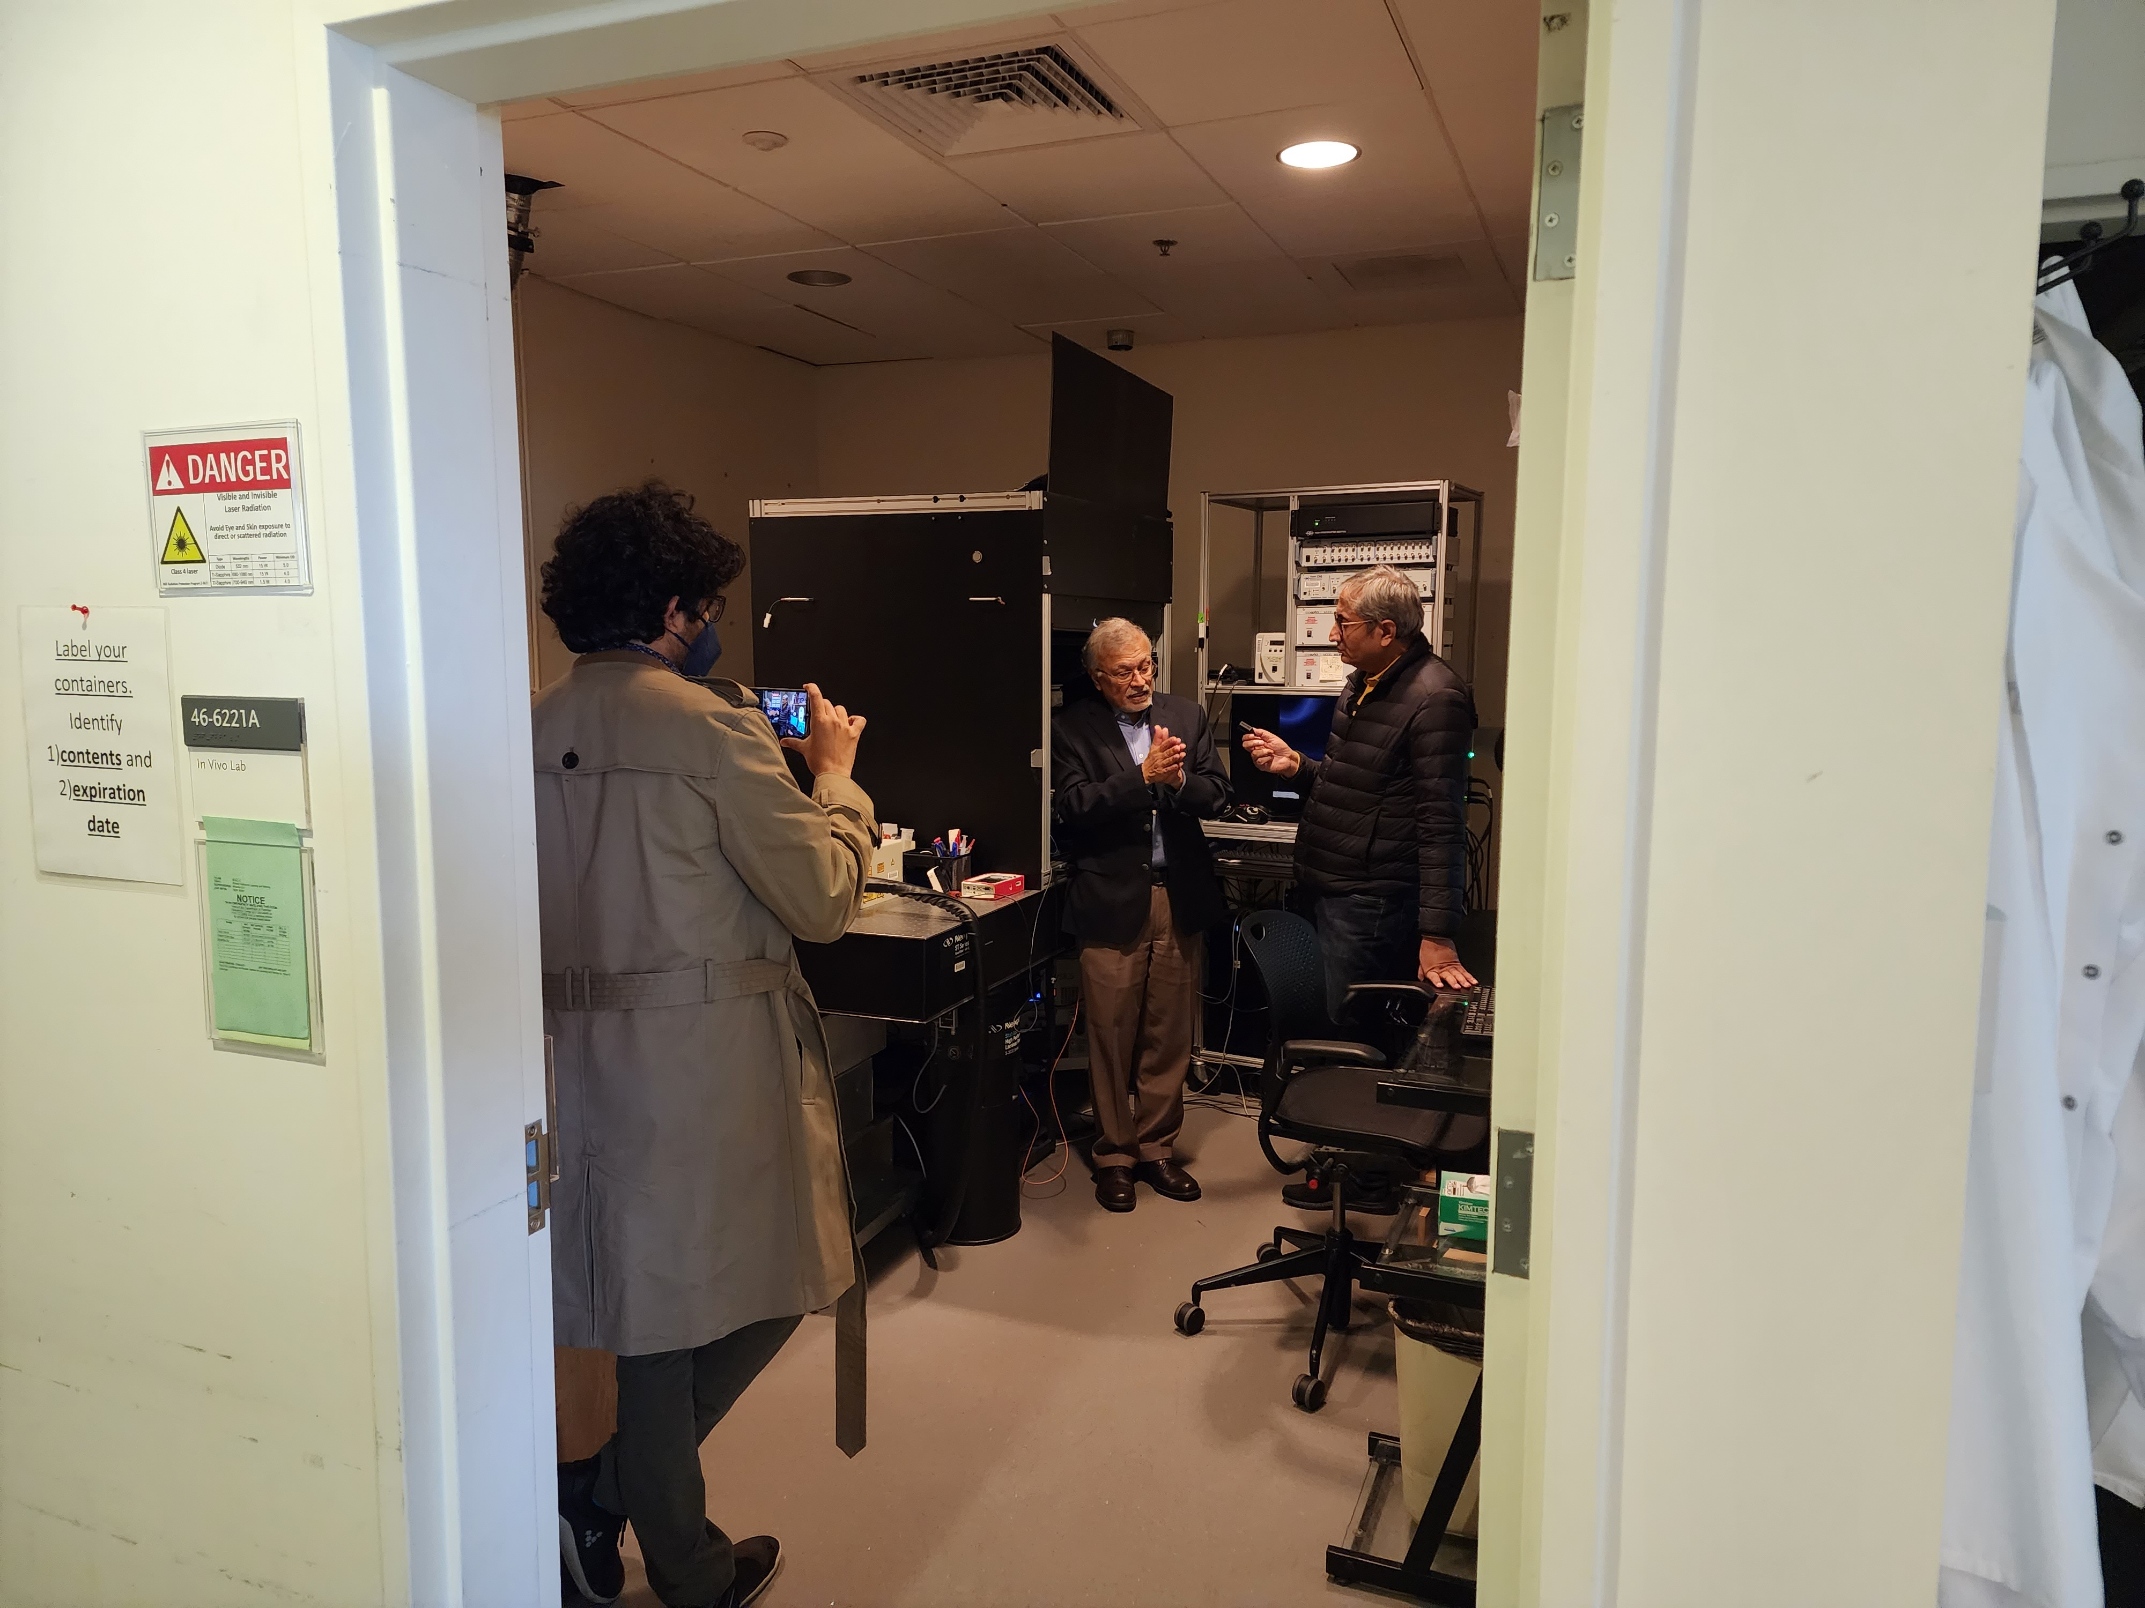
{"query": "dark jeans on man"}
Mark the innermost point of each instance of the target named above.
(1366, 938)
(650, 1470)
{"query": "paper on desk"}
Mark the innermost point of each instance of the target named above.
(260, 984)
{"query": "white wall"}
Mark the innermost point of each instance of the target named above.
(198, 1386)
(609, 398)
(2096, 117)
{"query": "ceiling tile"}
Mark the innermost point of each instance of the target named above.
(881, 300)
(1092, 178)
(1474, 287)
(1020, 274)
(1118, 10)
(1201, 235)
(1147, 329)
(1238, 298)
(701, 300)
(935, 47)
(657, 88)
(1404, 190)
(1246, 56)
(644, 196)
(578, 243)
(1479, 61)
(840, 172)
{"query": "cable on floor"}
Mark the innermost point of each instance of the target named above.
(1057, 1122)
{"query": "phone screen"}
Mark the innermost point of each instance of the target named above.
(787, 710)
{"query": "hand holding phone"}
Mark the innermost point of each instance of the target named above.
(829, 745)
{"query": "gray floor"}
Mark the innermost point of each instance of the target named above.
(1041, 1435)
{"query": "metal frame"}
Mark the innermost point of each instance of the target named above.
(916, 503)
(1292, 499)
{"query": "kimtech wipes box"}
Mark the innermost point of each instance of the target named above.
(1463, 1205)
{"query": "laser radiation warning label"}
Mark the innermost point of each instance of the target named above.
(227, 510)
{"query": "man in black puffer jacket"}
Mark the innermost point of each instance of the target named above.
(1382, 846)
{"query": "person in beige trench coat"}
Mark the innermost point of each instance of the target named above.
(702, 1204)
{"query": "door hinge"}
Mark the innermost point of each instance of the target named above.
(1556, 202)
(540, 1145)
(1512, 1210)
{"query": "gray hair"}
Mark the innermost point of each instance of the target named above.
(1111, 633)
(1383, 593)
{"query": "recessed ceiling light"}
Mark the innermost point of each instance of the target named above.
(1319, 154)
(765, 139)
(818, 278)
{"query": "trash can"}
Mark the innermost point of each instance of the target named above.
(1437, 1357)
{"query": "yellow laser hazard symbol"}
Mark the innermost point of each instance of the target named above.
(180, 546)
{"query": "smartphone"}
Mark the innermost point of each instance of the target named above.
(788, 710)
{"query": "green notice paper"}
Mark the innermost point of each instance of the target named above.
(259, 979)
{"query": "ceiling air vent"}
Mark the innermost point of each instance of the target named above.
(1411, 272)
(1036, 95)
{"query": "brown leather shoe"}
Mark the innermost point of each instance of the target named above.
(1167, 1178)
(1113, 1189)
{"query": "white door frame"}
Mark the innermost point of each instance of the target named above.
(1764, 535)
(411, 167)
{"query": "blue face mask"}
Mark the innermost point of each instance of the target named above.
(702, 652)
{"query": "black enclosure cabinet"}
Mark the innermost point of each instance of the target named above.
(935, 617)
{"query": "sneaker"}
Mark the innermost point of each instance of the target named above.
(758, 1557)
(588, 1535)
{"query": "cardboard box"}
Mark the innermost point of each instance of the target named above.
(994, 885)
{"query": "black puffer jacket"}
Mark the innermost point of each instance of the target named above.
(1387, 808)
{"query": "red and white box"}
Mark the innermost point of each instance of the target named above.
(994, 885)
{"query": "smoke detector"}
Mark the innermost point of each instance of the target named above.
(1045, 93)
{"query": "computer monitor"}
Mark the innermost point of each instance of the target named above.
(1301, 722)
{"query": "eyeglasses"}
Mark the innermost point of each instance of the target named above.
(1343, 623)
(1125, 673)
(714, 610)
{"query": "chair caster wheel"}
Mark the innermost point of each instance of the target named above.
(1309, 1392)
(1268, 1251)
(1191, 1318)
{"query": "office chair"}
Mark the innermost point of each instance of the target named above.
(1324, 1092)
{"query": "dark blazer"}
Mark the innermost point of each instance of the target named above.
(1385, 812)
(1104, 809)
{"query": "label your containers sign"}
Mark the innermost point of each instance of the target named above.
(104, 774)
(227, 510)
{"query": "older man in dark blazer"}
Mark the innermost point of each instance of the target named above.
(1133, 773)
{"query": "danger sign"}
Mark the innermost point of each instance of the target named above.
(227, 510)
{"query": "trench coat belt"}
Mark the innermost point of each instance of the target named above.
(579, 989)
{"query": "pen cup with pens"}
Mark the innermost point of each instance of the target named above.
(945, 865)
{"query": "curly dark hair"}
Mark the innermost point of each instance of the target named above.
(620, 560)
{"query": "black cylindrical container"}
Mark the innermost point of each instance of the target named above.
(982, 1106)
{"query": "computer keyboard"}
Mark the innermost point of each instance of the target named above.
(1481, 1018)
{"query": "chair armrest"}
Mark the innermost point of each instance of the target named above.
(1331, 1052)
(1409, 990)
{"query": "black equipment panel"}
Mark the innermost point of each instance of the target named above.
(929, 625)
(1109, 433)
(906, 961)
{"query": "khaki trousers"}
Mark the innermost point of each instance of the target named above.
(1139, 1002)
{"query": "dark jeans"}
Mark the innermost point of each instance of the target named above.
(1366, 938)
(650, 1470)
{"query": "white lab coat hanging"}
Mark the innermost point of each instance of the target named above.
(2052, 1280)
